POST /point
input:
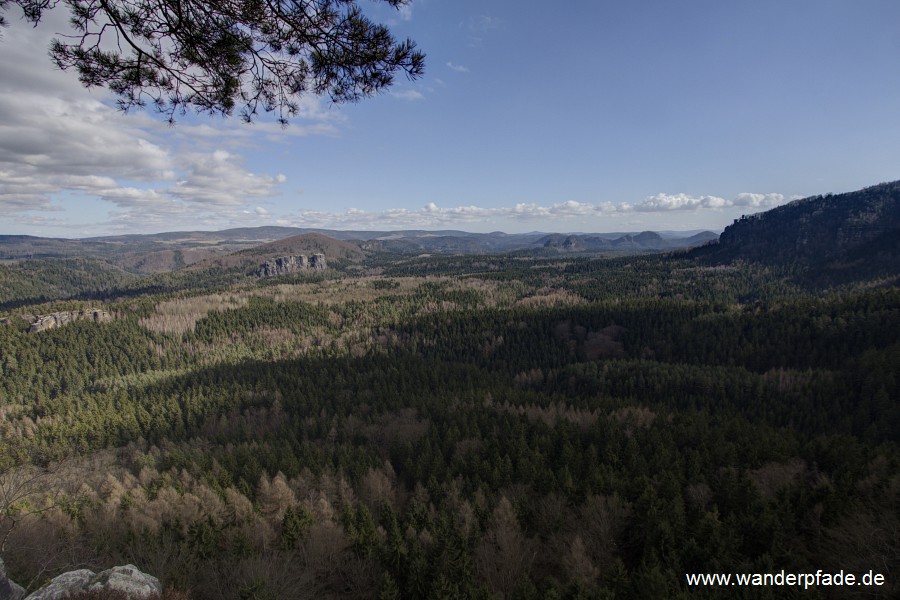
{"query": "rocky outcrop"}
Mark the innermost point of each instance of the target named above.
(858, 231)
(285, 265)
(317, 261)
(63, 586)
(59, 319)
(9, 590)
(127, 579)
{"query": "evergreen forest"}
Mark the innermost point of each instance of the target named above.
(496, 426)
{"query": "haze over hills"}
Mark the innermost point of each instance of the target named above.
(169, 251)
(825, 239)
(646, 240)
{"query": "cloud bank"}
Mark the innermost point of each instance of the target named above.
(58, 140)
(560, 214)
(667, 202)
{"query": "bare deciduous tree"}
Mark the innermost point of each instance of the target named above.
(27, 487)
(504, 556)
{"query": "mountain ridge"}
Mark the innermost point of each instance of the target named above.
(169, 251)
(834, 237)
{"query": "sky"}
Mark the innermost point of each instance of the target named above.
(583, 116)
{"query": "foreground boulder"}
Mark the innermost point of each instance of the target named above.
(127, 579)
(63, 586)
(9, 590)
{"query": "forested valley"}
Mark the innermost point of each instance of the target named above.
(439, 426)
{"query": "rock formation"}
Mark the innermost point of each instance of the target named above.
(127, 579)
(284, 265)
(63, 586)
(8, 589)
(58, 319)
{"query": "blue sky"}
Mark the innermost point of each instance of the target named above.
(581, 116)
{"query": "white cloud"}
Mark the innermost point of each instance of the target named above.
(405, 11)
(57, 137)
(483, 23)
(458, 68)
(670, 202)
(432, 215)
(558, 216)
(667, 202)
(479, 26)
(219, 179)
(408, 94)
(759, 200)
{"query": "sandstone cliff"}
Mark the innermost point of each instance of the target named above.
(58, 319)
(285, 265)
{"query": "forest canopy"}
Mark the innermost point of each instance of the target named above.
(455, 427)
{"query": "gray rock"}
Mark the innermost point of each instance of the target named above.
(317, 261)
(59, 319)
(9, 590)
(284, 265)
(63, 586)
(128, 579)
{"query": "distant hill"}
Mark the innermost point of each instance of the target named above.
(626, 242)
(834, 237)
(307, 244)
(449, 242)
(147, 254)
(700, 238)
(37, 280)
(143, 253)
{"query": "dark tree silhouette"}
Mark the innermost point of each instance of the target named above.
(218, 56)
